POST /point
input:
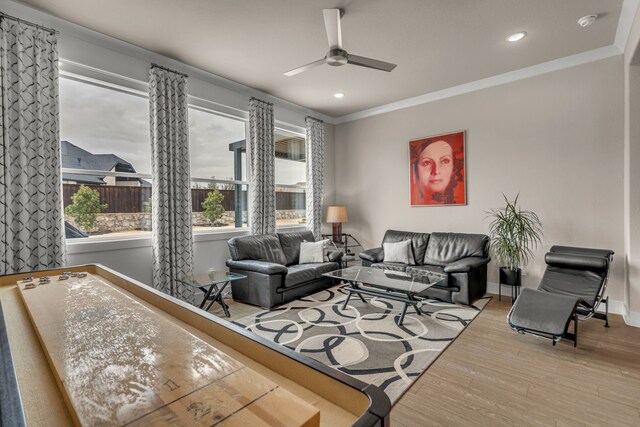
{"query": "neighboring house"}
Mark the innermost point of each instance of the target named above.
(74, 157)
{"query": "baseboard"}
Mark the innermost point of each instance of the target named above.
(631, 318)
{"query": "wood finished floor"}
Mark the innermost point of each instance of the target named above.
(491, 376)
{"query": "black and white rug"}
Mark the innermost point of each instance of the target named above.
(363, 340)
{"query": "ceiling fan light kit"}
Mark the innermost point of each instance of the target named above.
(337, 56)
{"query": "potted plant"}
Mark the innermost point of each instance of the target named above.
(515, 234)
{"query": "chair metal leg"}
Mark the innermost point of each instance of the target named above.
(606, 312)
(575, 330)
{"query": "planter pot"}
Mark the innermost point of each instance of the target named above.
(510, 277)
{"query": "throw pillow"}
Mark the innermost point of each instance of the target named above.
(397, 252)
(312, 252)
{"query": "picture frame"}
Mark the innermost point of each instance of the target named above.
(437, 170)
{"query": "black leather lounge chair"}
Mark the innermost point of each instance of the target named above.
(572, 288)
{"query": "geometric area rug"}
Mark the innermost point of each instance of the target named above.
(364, 341)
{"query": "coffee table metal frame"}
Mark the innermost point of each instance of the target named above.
(382, 290)
(212, 287)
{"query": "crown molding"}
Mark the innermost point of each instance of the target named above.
(625, 22)
(627, 15)
(500, 79)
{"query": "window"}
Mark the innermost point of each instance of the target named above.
(106, 160)
(290, 178)
(106, 164)
(218, 170)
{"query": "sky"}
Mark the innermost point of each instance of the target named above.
(105, 121)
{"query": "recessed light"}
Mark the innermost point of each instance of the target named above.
(338, 95)
(516, 37)
(585, 21)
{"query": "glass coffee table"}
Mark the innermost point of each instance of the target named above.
(387, 284)
(212, 284)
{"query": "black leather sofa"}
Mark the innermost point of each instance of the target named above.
(274, 276)
(463, 258)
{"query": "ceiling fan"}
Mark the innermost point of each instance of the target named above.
(336, 56)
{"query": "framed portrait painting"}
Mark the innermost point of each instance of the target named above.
(437, 170)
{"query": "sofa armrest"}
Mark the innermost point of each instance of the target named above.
(334, 256)
(373, 255)
(258, 266)
(465, 264)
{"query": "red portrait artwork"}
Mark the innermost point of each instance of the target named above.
(438, 170)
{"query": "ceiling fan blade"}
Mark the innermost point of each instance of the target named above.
(305, 67)
(370, 63)
(332, 25)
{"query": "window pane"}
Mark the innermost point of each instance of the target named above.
(290, 178)
(212, 138)
(214, 206)
(218, 150)
(105, 130)
(108, 128)
(114, 210)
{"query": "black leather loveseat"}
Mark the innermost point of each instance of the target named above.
(274, 276)
(462, 257)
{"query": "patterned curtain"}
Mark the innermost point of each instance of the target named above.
(315, 174)
(31, 220)
(262, 154)
(171, 217)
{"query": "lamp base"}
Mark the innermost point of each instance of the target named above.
(337, 232)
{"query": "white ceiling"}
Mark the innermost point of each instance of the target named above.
(437, 44)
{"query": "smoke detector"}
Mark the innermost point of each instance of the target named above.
(585, 21)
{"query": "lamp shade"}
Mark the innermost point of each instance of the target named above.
(337, 214)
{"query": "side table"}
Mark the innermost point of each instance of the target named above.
(212, 285)
(348, 242)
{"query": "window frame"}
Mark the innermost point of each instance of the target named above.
(80, 73)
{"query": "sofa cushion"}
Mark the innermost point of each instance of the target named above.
(312, 252)
(325, 267)
(290, 243)
(264, 247)
(427, 269)
(417, 269)
(418, 243)
(397, 251)
(445, 248)
(394, 266)
(300, 273)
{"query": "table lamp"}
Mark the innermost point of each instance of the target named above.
(337, 215)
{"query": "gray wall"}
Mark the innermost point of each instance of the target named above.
(556, 138)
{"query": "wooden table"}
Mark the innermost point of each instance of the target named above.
(116, 352)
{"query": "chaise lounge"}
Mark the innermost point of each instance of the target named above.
(573, 285)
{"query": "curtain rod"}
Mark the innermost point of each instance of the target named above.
(253, 98)
(51, 30)
(154, 65)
